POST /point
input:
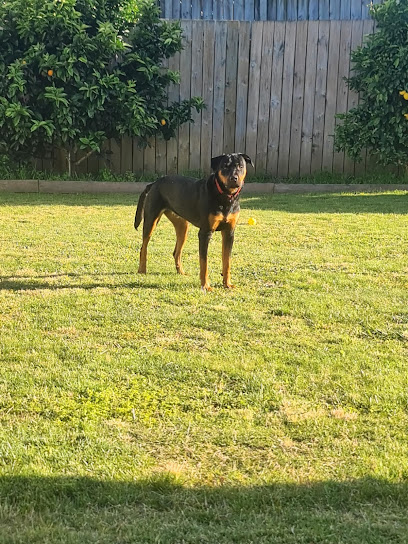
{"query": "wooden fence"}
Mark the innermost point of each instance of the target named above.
(272, 90)
(263, 10)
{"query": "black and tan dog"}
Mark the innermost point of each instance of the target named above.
(209, 204)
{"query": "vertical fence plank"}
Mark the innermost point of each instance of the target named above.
(137, 158)
(308, 106)
(167, 10)
(161, 144)
(271, 10)
(314, 10)
(207, 9)
(324, 10)
(287, 94)
(342, 89)
(208, 95)
(298, 96)
(356, 9)
(231, 87)
(219, 87)
(365, 9)
(176, 11)
(331, 96)
(239, 10)
(276, 98)
(186, 9)
(345, 10)
(257, 6)
(196, 90)
(263, 10)
(228, 10)
(160, 147)
(249, 10)
(264, 98)
(292, 10)
(242, 85)
(126, 159)
(114, 156)
(149, 157)
(281, 10)
(185, 94)
(253, 88)
(334, 12)
(104, 157)
(174, 96)
(93, 164)
(218, 10)
(320, 96)
(303, 10)
(196, 10)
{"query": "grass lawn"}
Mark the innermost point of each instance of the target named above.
(137, 409)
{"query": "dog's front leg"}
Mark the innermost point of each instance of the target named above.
(204, 237)
(227, 243)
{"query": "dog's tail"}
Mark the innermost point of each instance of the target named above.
(140, 206)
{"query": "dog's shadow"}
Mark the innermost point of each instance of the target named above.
(54, 282)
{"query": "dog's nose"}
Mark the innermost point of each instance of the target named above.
(235, 179)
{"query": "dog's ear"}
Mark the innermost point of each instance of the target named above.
(215, 162)
(247, 159)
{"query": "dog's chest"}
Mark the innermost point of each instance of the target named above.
(221, 220)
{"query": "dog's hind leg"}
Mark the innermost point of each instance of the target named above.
(149, 224)
(181, 228)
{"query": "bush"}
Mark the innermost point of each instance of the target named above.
(380, 74)
(74, 73)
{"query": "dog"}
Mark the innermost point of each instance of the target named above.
(210, 204)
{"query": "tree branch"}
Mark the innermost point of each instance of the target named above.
(84, 157)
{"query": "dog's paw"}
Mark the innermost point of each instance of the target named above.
(229, 286)
(206, 288)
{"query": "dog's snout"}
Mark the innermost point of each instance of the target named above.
(235, 178)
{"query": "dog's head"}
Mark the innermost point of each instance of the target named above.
(230, 170)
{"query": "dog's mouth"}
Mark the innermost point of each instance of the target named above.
(230, 182)
(234, 183)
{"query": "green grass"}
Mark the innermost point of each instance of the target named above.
(137, 409)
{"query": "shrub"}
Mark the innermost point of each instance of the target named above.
(380, 75)
(74, 73)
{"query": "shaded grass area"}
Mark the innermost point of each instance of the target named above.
(138, 409)
(78, 510)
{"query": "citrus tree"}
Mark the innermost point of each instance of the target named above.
(74, 73)
(380, 75)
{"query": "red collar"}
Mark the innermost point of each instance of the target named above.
(226, 194)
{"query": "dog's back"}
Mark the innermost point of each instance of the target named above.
(179, 194)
